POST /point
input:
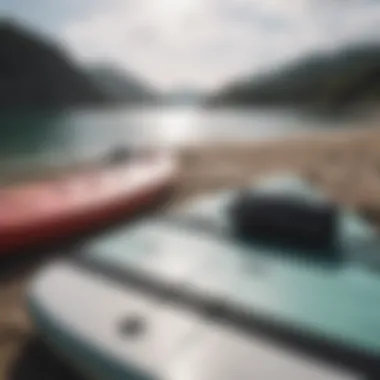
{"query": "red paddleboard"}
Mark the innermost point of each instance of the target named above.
(54, 211)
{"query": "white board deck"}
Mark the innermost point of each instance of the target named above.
(173, 343)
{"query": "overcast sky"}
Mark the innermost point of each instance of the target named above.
(198, 43)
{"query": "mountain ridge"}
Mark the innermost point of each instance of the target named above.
(36, 72)
(335, 80)
(119, 85)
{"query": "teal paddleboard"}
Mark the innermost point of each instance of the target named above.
(157, 299)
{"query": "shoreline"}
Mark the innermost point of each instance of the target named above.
(346, 165)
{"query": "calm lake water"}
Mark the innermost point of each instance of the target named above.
(56, 138)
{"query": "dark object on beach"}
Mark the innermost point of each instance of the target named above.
(285, 219)
(120, 155)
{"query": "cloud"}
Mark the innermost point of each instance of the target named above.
(204, 42)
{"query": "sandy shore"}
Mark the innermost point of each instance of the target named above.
(347, 165)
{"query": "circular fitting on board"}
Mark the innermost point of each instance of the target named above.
(132, 326)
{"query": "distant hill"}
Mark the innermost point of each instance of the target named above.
(185, 96)
(119, 85)
(334, 80)
(36, 73)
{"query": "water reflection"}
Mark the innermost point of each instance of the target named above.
(179, 127)
(26, 133)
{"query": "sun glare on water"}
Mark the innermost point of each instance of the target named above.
(179, 127)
